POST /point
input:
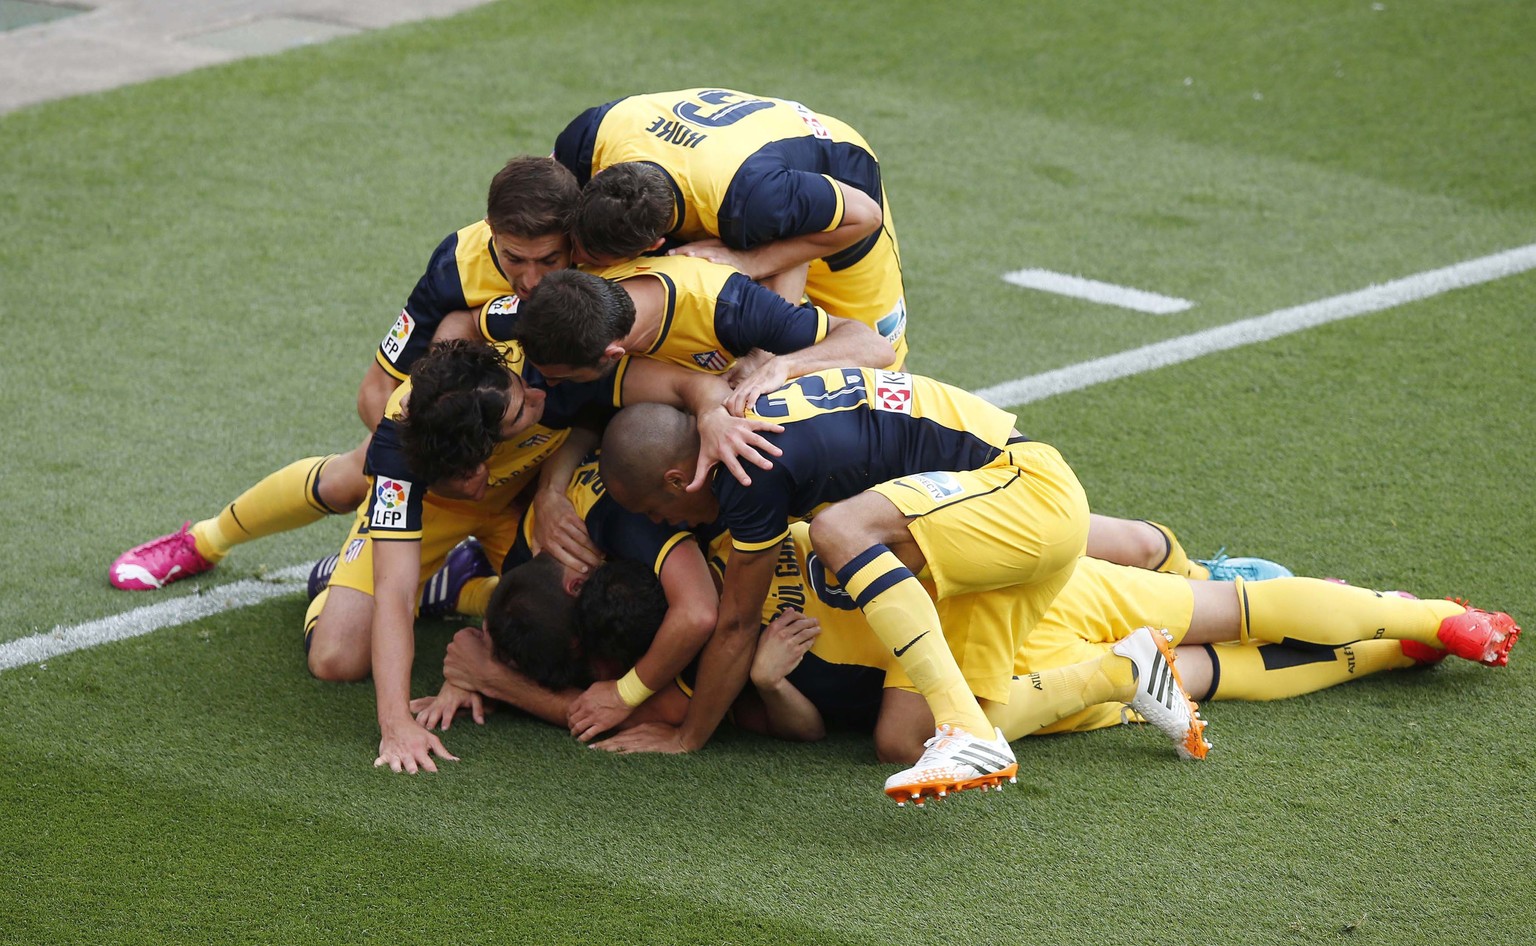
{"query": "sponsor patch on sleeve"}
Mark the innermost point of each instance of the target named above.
(394, 342)
(389, 499)
(893, 391)
(940, 486)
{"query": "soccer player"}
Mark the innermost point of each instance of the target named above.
(1265, 639)
(672, 556)
(477, 272)
(761, 184)
(460, 440)
(907, 475)
(543, 639)
(690, 312)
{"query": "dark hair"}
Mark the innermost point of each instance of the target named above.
(572, 317)
(618, 612)
(531, 621)
(532, 197)
(625, 209)
(459, 393)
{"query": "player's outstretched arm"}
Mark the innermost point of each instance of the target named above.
(722, 438)
(557, 527)
(861, 216)
(847, 343)
(404, 745)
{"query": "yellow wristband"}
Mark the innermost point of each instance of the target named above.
(632, 691)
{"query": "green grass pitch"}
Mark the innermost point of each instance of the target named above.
(194, 272)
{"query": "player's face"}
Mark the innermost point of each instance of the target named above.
(582, 257)
(670, 504)
(525, 407)
(555, 374)
(527, 261)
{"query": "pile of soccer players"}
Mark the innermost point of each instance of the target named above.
(648, 420)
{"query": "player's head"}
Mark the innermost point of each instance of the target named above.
(618, 612)
(464, 400)
(531, 622)
(647, 460)
(531, 208)
(625, 210)
(571, 328)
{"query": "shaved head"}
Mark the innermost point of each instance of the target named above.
(643, 442)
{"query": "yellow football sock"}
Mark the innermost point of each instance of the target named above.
(475, 596)
(1177, 561)
(1039, 699)
(1313, 611)
(1275, 672)
(282, 501)
(902, 615)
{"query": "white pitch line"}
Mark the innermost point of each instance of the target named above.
(1094, 291)
(1261, 328)
(139, 621)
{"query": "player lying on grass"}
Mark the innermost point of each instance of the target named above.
(1235, 640)
(816, 666)
(763, 185)
(478, 272)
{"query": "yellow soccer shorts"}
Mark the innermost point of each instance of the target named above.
(443, 527)
(870, 291)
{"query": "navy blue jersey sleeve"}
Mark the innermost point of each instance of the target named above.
(395, 501)
(619, 533)
(749, 315)
(438, 292)
(576, 143)
(767, 201)
(757, 515)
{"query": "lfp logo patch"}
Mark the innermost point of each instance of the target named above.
(389, 499)
(394, 342)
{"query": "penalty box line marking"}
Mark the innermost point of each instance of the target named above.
(140, 621)
(1261, 328)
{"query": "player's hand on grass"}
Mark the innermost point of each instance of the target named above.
(598, 710)
(438, 711)
(782, 646)
(647, 737)
(726, 439)
(559, 530)
(408, 747)
(468, 654)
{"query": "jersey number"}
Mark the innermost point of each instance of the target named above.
(729, 108)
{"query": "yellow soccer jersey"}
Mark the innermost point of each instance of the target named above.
(751, 169)
(395, 500)
(463, 273)
(745, 168)
(714, 314)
